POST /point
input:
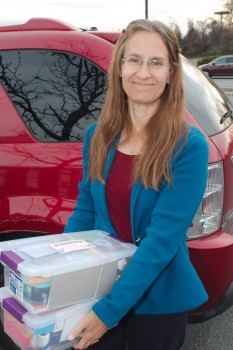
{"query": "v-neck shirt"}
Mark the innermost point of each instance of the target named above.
(118, 193)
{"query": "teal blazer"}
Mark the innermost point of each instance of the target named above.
(160, 278)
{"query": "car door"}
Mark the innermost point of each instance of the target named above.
(218, 66)
(229, 66)
(49, 98)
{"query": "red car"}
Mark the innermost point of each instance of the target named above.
(221, 66)
(52, 79)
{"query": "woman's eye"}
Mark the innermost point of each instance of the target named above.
(155, 63)
(134, 60)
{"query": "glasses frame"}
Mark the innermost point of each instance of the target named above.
(139, 64)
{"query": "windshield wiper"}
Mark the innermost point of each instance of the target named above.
(228, 114)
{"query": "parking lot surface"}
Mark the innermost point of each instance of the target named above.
(226, 85)
(215, 334)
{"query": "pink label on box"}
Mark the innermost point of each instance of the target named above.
(70, 246)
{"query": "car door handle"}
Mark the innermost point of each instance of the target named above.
(232, 160)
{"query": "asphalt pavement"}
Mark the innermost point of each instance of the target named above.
(226, 85)
(215, 334)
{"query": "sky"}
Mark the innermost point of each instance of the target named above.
(109, 14)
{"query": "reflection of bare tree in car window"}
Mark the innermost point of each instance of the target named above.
(57, 94)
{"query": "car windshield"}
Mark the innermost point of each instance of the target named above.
(204, 100)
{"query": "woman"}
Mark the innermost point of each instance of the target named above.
(144, 176)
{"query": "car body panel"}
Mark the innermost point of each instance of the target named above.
(39, 184)
(84, 44)
(112, 37)
(210, 255)
(39, 24)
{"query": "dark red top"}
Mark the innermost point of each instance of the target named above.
(118, 192)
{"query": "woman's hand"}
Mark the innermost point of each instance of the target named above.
(91, 329)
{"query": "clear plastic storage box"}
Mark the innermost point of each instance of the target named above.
(46, 331)
(52, 271)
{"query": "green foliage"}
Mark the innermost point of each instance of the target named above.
(205, 60)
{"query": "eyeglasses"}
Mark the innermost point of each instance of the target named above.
(137, 62)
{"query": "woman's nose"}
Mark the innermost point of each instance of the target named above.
(144, 70)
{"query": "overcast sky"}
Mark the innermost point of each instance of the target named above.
(109, 14)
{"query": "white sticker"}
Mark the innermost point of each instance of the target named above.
(70, 246)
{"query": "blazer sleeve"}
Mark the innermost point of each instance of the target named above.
(83, 215)
(165, 235)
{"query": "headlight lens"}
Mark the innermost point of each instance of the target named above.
(208, 217)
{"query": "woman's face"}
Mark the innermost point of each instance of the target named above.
(145, 68)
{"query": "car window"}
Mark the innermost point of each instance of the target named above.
(204, 100)
(221, 60)
(229, 60)
(57, 94)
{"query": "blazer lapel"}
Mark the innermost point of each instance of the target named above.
(100, 188)
(134, 195)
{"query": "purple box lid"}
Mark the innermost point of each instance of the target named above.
(11, 259)
(14, 308)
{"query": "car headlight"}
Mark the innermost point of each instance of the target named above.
(208, 217)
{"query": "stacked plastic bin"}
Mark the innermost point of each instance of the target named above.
(52, 282)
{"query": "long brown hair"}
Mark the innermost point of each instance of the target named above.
(162, 131)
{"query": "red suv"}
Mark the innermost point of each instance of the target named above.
(52, 80)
